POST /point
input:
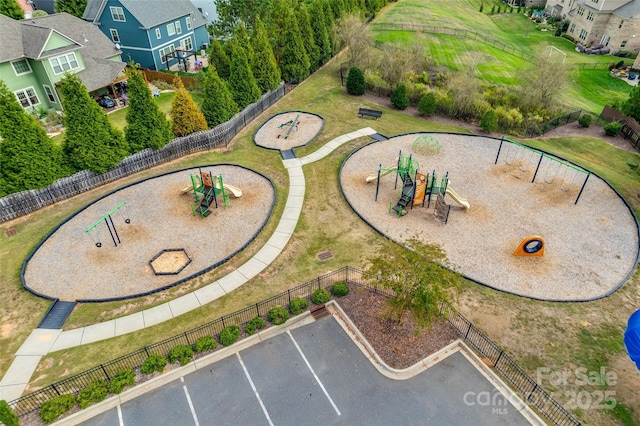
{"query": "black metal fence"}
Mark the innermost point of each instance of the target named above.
(541, 129)
(25, 202)
(530, 391)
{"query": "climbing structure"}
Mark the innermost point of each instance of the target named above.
(407, 169)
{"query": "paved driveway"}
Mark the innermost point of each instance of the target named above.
(316, 375)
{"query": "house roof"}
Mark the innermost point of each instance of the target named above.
(149, 13)
(629, 10)
(99, 73)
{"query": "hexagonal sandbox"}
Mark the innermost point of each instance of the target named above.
(170, 262)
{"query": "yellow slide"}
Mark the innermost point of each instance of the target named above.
(374, 177)
(458, 199)
(234, 190)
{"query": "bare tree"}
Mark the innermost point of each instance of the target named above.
(351, 32)
(395, 63)
(542, 83)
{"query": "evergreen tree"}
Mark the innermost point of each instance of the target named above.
(489, 121)
(28, 157)
(337, 7)
(90, 141)
(328, 15)
(294, 62)
(481, 7)
(306, 32)
(265, 68)
(400, 97)
(427, 105)
(631, 106)
(356, 84)
(242, 83)
(72, 7)
(219, 59)
(320, 33)
(276, 27)
(11, 8)
(186, 116)
(241, 37)
(147, 126)
(218, 105)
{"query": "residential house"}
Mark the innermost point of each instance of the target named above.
(152, 33)
(35, 54)
(612, 23)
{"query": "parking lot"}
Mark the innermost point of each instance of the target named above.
(316, 375)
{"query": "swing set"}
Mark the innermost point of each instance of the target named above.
(94, 230)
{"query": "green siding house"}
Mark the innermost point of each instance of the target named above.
(35, 54)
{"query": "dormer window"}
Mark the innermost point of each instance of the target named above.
(117, 14)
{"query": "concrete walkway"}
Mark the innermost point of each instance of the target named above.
(42, 341)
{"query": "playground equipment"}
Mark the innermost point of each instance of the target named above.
(292, 124)
(426, 144)
(551, 172)
(206, 190)
(531, 246)
(94, 230)
(632, 338)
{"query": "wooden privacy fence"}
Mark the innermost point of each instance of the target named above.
(151, 75)
(630, 127)
(25, 202)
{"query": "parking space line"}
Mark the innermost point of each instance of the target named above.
(313, 372)
(119, 409)
(255, 391)
(193, 411)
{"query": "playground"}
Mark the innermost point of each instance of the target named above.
(151, 235)
(590, 247)
(288, 130)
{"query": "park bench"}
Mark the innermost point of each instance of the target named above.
(369, 112)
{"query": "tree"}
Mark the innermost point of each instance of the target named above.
(28, 157)
(147, 126)
(265, 68)
(400, 97)
(418, 279)
(72, 7)
(186, 116)
(306, 32)
(427, 105)
(241, 37)
(351, 32)
(232, 12)
(631, 106)
(395, 62)
(242, 83)
(294, 62)
(543, 82)
(481, 7)
(90, 141)
(218, 105)
(219, 59)
(356, 84)
(11, 8)
(489, 121)
(320, 33)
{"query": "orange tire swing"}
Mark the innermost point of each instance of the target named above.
(533, 245)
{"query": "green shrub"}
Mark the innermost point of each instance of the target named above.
(7, 416)
(400, 97)
(489, 121)
(95, 392)
(182, 354)
(585, 120)
(54, 408)
(613, 128)
(278, 315)
(320, 296)
(339, 289)
(298, 305)
(121, 380)
(427, 105)
(204, 343)
(255, 324)
(356, 84)
(153, 363)
(229, 335)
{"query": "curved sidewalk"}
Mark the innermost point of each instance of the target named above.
(42, 341)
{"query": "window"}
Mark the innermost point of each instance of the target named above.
(583, 35)
(624, 43)
(621, 22)
(21, 67)
(117, 14)
(64, 63)
(178, 27)
(590, 16)
(572, 28)
(114, 35)
(188, 19)
(581, 11)
(49, 93)
(186, 43)
(171, 29)
(158, 33)
(166, 51)
(27, 97)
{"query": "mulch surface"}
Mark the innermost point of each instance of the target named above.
(400, 345)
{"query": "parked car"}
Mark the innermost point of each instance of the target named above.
(632, 76)
(106, 102)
